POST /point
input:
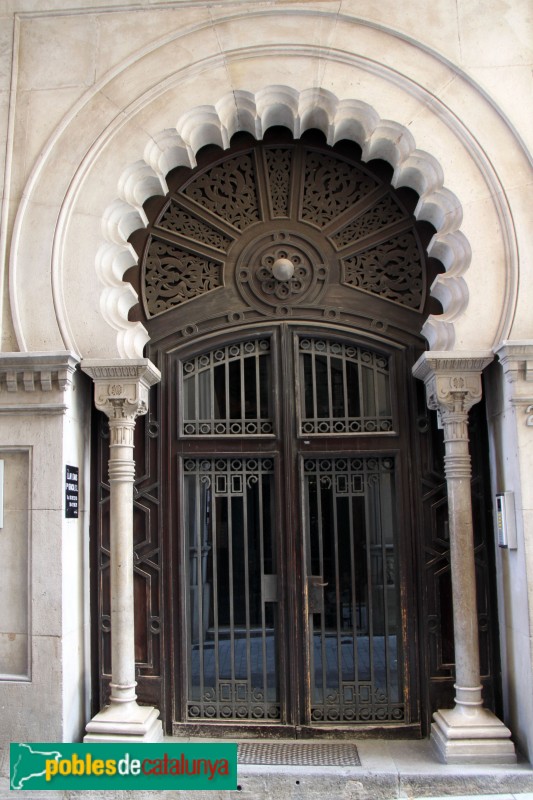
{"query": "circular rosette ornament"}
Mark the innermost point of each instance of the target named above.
(280, 269)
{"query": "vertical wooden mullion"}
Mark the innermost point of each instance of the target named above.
(385, 593)
(246, 581)
(369, 575)
(230, 574)
(199, 582)
(313, 378)
(214, 539)
(345, 395)
(353, 581)
(323, 650)
(262, 570)
(337, 582)
(226, 392)
(243, 396)
(330, 392)
(362, 407)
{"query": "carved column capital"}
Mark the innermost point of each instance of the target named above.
(121, 387)
(452, 380)
(453, 386)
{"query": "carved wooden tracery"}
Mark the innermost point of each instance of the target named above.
(334, 217)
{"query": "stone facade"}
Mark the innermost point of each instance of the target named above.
(97, 103)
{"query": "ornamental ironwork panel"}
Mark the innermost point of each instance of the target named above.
(227, 391)
(174, 275)
(393, 270)
(355, 633)
(232, 589)
(343, 389)
(228, 191)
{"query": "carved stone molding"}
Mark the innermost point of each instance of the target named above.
(516, 359)
(121, 387)
(33, 372)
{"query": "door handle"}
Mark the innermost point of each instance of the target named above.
(315, 594)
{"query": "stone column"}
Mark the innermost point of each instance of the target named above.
(121, 392)
(468, 733)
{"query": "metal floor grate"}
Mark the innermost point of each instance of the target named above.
(299, 754)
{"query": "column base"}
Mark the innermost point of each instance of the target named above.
(473, 737)
(129, 723)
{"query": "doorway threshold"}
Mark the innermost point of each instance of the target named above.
(387, 770)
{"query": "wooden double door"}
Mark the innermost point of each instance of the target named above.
(291, 537)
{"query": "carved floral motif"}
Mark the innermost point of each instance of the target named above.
(392, 270)
(384, 212)
(228, 191)
(173, 275)
(331, 187)
(279, 165)
(178, 220)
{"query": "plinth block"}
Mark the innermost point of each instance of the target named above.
(131, 724)
(477, 737)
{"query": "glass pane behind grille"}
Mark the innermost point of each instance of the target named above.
(343, 389)
(226, 392)
(351, 562)
(228, 504)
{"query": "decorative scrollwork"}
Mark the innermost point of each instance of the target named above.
(228, 191)
(384, 212)
(278, 164)
(392, 270)
(173, 275)
(358, 702)
(331, 186)
(178, 220)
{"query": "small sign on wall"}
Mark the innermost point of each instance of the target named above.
(71, 492)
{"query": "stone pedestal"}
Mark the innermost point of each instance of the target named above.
(467, 733)
(121, 392)
(473, 737)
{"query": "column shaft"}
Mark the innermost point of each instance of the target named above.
(121, 479)
(462, 563)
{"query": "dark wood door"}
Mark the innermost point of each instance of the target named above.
(290, 533)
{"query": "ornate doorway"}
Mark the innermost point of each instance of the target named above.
(288, 509)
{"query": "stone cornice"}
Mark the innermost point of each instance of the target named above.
(121, 386)
(452, 363)
(516, 358)
(37, 372)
